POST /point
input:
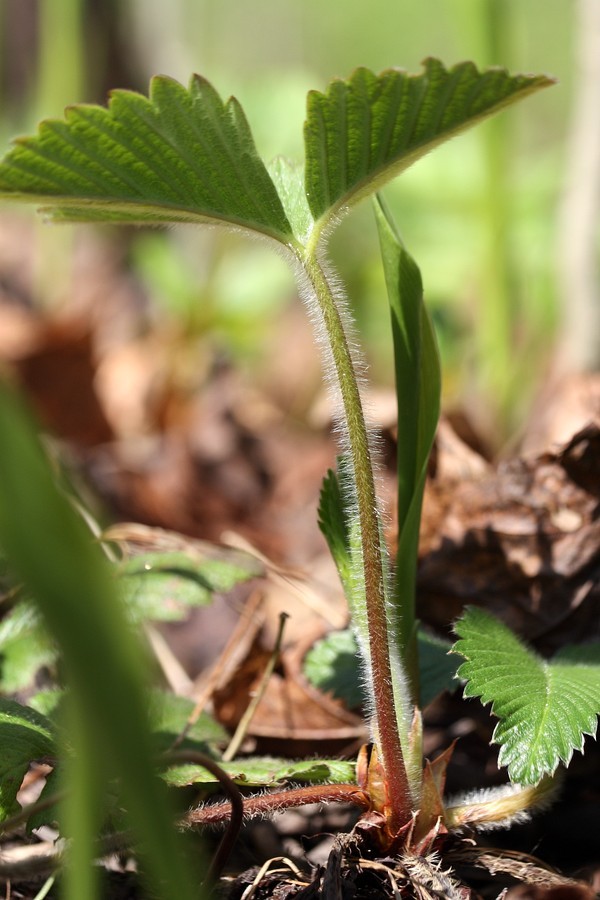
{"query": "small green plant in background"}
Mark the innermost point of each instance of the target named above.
(185, 156)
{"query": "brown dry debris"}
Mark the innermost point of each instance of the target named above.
(521, 538)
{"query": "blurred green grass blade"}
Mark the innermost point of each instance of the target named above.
(81, 808)
(418, 393)
(53, 553)
(181, 155)
(545, 707)
(363, 132)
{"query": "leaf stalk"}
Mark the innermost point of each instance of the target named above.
(384, 724)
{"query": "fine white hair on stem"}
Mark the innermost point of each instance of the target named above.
(342, 426)
(311, 303)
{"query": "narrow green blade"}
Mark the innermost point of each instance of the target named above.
(54, 554)
(418, 392)
(363, 132)
(178, 156)
(545, 708)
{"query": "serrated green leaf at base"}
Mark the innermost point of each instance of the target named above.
(181, 155)
(545, 707)
(332, 666)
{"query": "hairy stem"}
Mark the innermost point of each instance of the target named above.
(385, 726)
(262, 805)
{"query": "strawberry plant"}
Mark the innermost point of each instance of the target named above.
(185, 156)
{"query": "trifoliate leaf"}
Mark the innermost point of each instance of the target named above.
(545, 707)
(25, 735)
(363, 132)
(267, 772)
(179, 156)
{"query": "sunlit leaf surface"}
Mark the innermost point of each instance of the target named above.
(362, 132)
(183, 155)
(545, 707)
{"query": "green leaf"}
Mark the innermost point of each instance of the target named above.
(25, 735)
(332, 518)
(161, 585)
(179, 156)
(51, 550)
(25, 646)
(168, 718)
(332, 666)
(267, 772)
(363, 132)
(55, 784)
(288, 178)
(545, 707)
(49, 703)
(418, 393)
(437, 669)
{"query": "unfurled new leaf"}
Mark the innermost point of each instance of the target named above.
(363, 132)
(179, 156)
(545, 707)
(333, 522)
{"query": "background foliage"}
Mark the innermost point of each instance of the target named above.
(481, 215)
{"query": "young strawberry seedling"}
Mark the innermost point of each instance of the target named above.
(185, 156)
